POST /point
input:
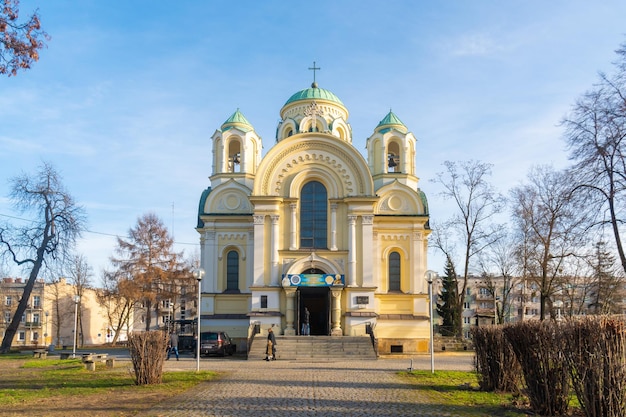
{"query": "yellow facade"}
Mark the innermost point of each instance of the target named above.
(314, 224)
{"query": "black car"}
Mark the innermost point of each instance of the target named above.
(216, 343)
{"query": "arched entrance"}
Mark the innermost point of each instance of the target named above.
(317, 301)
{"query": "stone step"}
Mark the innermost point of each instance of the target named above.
(316, 347)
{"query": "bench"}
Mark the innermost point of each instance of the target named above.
(40, 353)
(90, 359)
(65, 355)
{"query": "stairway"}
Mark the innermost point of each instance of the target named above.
(316, 348)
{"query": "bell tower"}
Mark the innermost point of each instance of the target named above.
(236, 151)
(391, 153)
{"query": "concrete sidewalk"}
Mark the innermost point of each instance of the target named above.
(320, 388)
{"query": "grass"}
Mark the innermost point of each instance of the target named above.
(24, 380)
(458, 391)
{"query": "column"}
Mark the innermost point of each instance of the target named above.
(335, 317)
(333, 226)
(367, 256)
(209, 262)
(294, 236)
(250, 262)
(259, 250)
(275, 279)
(290, 294)
(352, 251)
(418, 263)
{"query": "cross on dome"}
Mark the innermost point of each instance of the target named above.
(314, 68)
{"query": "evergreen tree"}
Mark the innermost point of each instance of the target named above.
(447, 309)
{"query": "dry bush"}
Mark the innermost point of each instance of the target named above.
(537, 346)
(497, 367)
(147, 352)
(595, 352)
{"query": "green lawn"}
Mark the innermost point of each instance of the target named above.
(458, 392)
(24, 379)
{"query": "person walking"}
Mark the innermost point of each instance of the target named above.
(270, 354)
(306, 328)
(173, 346)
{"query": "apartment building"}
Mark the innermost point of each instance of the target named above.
(33, 328)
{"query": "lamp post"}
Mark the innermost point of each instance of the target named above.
(198, 274)
(45, 334)
(430, 277)
(76, 300)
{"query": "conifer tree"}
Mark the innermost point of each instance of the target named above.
(447, 309)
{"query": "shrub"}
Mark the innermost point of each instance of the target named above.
(538, 349)
(497, 367)
(147, 352)
(595, 352)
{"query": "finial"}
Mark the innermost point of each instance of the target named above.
(314, 68)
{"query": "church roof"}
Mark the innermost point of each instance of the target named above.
(391, 121)
(237, 120)
(314, 93)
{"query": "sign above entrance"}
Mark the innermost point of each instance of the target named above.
(313, 280)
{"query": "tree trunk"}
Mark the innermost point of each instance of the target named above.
(9, 333)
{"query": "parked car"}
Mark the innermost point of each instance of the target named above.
(216, 343)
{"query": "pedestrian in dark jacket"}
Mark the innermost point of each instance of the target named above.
(271, 346)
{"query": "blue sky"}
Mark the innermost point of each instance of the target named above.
(124, 100)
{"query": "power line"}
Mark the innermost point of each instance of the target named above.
(92, 231)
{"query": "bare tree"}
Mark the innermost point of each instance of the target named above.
(19, 42)
(148, 265)
(477, 203)
(596, 136)
(549, 220)
(49, 238)
(499, 265)
(80, 274)
(117, 302)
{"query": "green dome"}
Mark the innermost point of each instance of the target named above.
(239, 120)
(314, 93)
(391, 121)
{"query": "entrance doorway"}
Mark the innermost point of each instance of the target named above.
(317, 301)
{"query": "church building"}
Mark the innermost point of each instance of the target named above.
(315, 225)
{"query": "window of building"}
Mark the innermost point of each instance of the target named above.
(23, 318)
(36, 318)
(313, 215)
(232, 271)
(7, 316)
(264, 301)
(35, 336)
(484, 291)
(36, 301)
(21, 335)
(467, 320)
(466, 305)
(394, 271)
(8, 301)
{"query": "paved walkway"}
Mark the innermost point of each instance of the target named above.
(289, 388)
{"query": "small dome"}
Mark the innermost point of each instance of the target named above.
(237, 120)
(391, 121)
(314, 93)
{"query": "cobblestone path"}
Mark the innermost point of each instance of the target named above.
(281, 389)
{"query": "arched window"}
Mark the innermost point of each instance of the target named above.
(394, 271)
(232, 271)
(313, 215)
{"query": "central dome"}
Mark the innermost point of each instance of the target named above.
(314, 93)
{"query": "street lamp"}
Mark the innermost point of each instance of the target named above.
(430, 277)
(198, 274)
(76, 301)
(45, 334)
